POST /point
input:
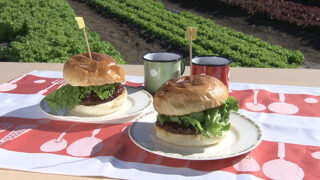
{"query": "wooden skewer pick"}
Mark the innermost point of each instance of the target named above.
(82, 26)
(191, 34)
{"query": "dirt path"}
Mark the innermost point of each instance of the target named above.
(132, 45)
(125, 39)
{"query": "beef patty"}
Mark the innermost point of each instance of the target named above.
(94, 99)
(177, 128)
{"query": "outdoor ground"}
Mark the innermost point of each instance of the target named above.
(132, 43)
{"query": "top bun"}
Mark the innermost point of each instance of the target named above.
(181, 96)
(80, 70)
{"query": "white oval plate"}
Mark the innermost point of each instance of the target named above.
(136, 102)
(243, 136)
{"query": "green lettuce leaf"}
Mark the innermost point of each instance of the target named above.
(188, 120)
(69, 96)
(213, 121)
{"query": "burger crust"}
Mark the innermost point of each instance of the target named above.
(180, 96)
(100, 109)
(80, 70)
(185, 139)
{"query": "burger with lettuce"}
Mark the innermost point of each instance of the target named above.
(193, 111)
(94, 86)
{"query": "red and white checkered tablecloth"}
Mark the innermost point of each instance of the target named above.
(288, 115)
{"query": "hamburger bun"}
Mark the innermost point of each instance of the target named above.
(100, 109)
(80, 70)
(179, 96)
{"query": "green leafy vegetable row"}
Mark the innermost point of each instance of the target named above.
(212, 39)
(45, 31)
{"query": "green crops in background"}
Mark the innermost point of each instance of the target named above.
(212, 39)
(45, 31)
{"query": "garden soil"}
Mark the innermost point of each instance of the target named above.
(132, 43)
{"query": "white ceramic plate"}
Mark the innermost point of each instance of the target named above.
(243, 136)
(137, 101)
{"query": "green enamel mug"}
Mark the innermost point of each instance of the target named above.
(159, 67)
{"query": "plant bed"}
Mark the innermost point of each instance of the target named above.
(212, 39)
(289, 37)
(287, 12)
(45, 31)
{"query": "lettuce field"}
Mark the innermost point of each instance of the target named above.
(45, 31)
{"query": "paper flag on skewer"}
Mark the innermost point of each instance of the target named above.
(82, 26)
(80, 22)
(191, 33)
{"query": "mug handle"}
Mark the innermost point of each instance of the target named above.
(183, 66)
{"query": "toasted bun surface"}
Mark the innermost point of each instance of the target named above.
(80, 70)
(185, 139)
(100, 109)
(179, 96)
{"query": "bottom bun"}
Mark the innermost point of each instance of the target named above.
(185, 139)
(100, 109)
